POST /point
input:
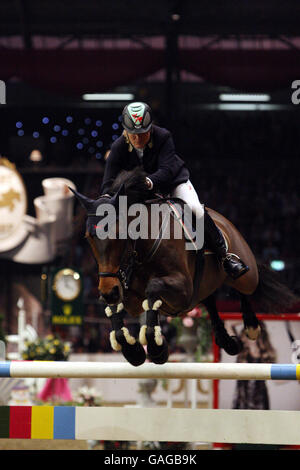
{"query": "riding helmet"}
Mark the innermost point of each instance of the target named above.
(137, 118)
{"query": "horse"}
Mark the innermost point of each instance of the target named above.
(159, 276)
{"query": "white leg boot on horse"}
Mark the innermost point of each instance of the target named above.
(121, 339)
(166, 289)
(150, 334)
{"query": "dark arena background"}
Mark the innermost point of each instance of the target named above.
(223, 77)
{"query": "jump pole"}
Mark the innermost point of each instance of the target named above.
(120, 370)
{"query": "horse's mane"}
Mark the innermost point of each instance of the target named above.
(134, 185)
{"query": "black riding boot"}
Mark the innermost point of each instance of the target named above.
(232, 264)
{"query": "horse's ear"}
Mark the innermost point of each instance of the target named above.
(87, 203)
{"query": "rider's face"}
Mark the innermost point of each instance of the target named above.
(139, 140)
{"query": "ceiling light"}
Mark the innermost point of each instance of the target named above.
(108, 96)
(244, 97)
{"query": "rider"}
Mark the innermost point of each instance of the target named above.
(152, 147)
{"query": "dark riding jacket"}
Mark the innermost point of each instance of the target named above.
(161, 163)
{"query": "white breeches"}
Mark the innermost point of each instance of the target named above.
(187, 193)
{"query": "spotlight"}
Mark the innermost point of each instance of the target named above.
(45, 120)
(277, 265)
(20, 132)
(19, 124)
(53, 140)
(35, 135)
(69, 119)
(36, 156)
(79, 145)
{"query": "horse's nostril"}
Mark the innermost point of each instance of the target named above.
(111, 297)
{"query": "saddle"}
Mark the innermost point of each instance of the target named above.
(188, 227)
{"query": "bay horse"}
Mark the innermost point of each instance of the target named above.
(157, 275)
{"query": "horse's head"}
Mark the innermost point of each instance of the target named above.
(103, 226)
(107, 251)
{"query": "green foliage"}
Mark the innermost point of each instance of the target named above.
(50, 348)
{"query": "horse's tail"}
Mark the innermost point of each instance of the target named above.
(271, 295)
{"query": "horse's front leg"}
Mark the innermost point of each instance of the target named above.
(174, 290)
(121, 339)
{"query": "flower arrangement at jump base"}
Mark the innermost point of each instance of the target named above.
(50, 348)
(194, 332)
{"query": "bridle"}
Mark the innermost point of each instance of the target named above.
(124, 273)
(126, 267)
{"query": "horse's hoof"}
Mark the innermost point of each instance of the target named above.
(157, 346)
(134, 354)
(231, 345)
(234, 346)
(158, 354)
(132, 350)
(252, 332)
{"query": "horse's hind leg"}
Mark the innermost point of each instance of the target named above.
(251, 324)
(176, 291)
(150, 334)
(121, 339)
(230, 344)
